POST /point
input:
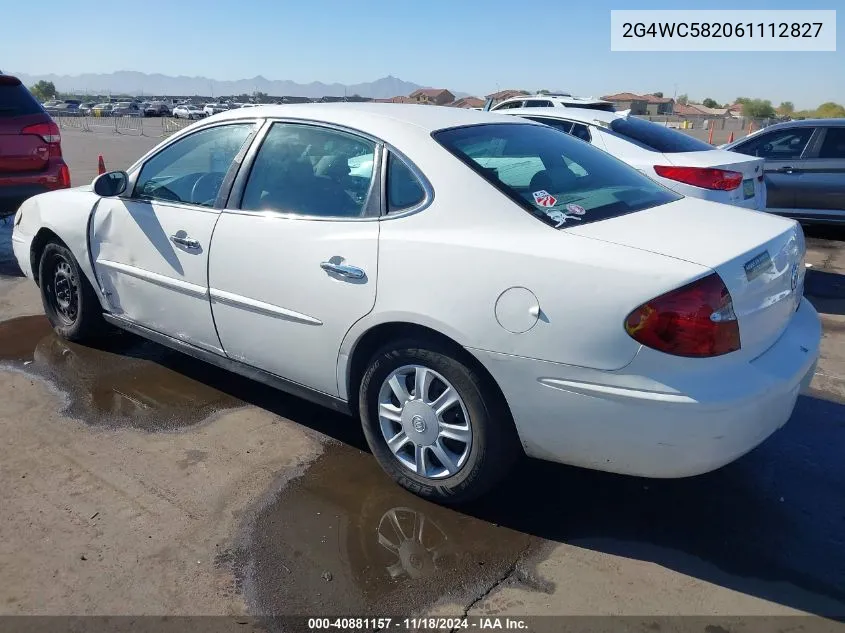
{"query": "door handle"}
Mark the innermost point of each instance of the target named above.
(187, 242)
(785, 170)
(350, 272)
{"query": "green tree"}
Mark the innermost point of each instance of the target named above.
(710, 103)
(682, 99)
(543, 92)
(659, 95)
(44, 90)
(758, 109)
(786, 108)
(830, 110)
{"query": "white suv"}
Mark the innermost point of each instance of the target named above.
(556, 100)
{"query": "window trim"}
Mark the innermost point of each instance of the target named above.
(225, 186)
(374, 207)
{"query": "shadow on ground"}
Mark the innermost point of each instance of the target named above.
(771, 525)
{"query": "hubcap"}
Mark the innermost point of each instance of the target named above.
(66, 291)
(424, 422)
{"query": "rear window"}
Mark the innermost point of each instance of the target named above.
(15, 99)
(559, 179)
(657, 137)
(604, 107)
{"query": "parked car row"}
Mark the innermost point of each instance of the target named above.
(473, 286)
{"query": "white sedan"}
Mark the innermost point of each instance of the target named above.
(188, 111)
(473, 286)
(674, 159)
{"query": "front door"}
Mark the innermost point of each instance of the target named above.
(150, 248)
(294, 259)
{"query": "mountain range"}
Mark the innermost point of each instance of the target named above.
(138, 83)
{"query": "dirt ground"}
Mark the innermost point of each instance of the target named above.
(136, 481)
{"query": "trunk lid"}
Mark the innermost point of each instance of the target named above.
(750, 167)
(20, 153)
(759, 257)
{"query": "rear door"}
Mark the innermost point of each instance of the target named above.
(820, 190)
(783, 151)
(150, 248)
(20, 153)
(294, 258)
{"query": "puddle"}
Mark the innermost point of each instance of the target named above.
(345, 539)
(124, 381)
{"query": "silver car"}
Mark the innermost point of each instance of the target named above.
(805, 167)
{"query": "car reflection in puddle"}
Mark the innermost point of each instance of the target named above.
(346, 536)
(124, 381)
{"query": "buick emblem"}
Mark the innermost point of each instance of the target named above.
(418, 423)
(794, 280)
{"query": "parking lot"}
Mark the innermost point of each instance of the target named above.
(134, 480)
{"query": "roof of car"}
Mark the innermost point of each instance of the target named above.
(553, 97)
(371, 116)
(808, 123)
(585, 115)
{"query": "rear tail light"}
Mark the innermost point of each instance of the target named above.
(48, 131)
(64, 176)
(704, 177)
(696, 320)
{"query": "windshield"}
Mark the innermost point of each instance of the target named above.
(656, 137)
(558, 178)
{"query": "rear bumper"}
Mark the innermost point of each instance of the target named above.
(635, 422)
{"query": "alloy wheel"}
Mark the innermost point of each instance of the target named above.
(424, 422)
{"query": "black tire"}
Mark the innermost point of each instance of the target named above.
(70, 302)
(495, 445)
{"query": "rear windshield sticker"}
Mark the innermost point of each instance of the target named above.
(560, 217)
(577, 209)
(757, 265)
(544, 198)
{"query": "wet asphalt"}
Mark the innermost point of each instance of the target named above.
(770, 525)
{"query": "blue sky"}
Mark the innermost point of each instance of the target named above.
(471, 46)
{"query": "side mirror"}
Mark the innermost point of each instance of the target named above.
(110, 184)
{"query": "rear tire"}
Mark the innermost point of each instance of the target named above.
(69, 300)
(449, 454)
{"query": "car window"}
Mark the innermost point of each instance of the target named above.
(404, 189)
(508, 106)
(778, 145)
(581, 131)
(310, 170)
(834, 143)
(538, 103)
(192, 169)
(655, 137)
(558, 124)
(558, 179)
(15, 99)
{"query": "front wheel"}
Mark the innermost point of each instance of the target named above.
(435, 425)
(69, 300)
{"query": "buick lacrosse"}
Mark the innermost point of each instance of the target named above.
(474, 287)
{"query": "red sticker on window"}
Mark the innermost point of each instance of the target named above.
(544, 198)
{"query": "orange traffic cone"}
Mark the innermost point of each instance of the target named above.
(101, 165)
(731, 138)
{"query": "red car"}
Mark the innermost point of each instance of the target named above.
(30, 148)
